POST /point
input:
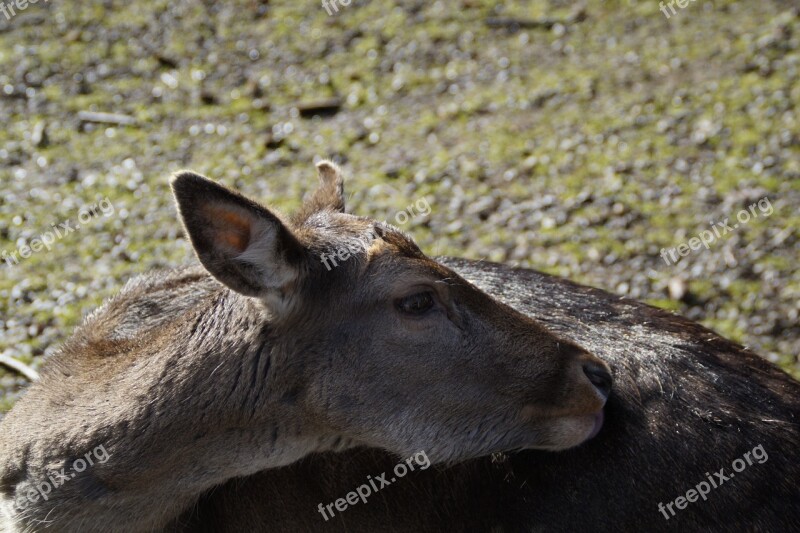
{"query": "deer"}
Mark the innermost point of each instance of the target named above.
(690, 411)
(260, 356)
(687, 407)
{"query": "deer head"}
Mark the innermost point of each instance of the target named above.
(392, 349)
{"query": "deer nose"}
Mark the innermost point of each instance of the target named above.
(599, 377)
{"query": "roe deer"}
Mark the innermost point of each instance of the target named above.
(192, 377)
(686, 404)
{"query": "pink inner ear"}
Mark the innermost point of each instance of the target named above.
(231, 229)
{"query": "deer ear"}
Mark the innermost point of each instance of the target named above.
(238, 241)
(329, 195)
(330, 192)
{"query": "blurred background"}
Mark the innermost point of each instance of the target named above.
(577, 139)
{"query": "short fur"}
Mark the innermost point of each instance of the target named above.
(686, 402)
(189, 381)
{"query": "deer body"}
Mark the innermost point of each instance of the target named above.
(686, 404)
(197, 376)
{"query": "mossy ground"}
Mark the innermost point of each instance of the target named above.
(582, 149)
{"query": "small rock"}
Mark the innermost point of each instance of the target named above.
(39, 136)
(321, 108)
(677, 289)
(207, 97)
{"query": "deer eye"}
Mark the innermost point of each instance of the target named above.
(416, 304)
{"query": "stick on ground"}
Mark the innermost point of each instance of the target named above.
(19, 367)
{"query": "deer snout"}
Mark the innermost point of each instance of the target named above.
(593, 373)
(599, 376)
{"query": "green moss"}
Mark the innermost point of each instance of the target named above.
(603, 111)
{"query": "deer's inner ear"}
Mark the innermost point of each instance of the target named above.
(230, 229)
(239, 242)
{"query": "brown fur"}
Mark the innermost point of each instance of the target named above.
(686, 402)
(190, 381)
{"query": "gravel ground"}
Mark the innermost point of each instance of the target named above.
(576, 140)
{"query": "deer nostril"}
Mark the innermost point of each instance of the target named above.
(599, 377)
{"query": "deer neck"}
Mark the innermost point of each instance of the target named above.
(218, 404)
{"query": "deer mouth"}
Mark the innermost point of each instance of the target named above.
(599, 418)
(564, 430)
(590, 424)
